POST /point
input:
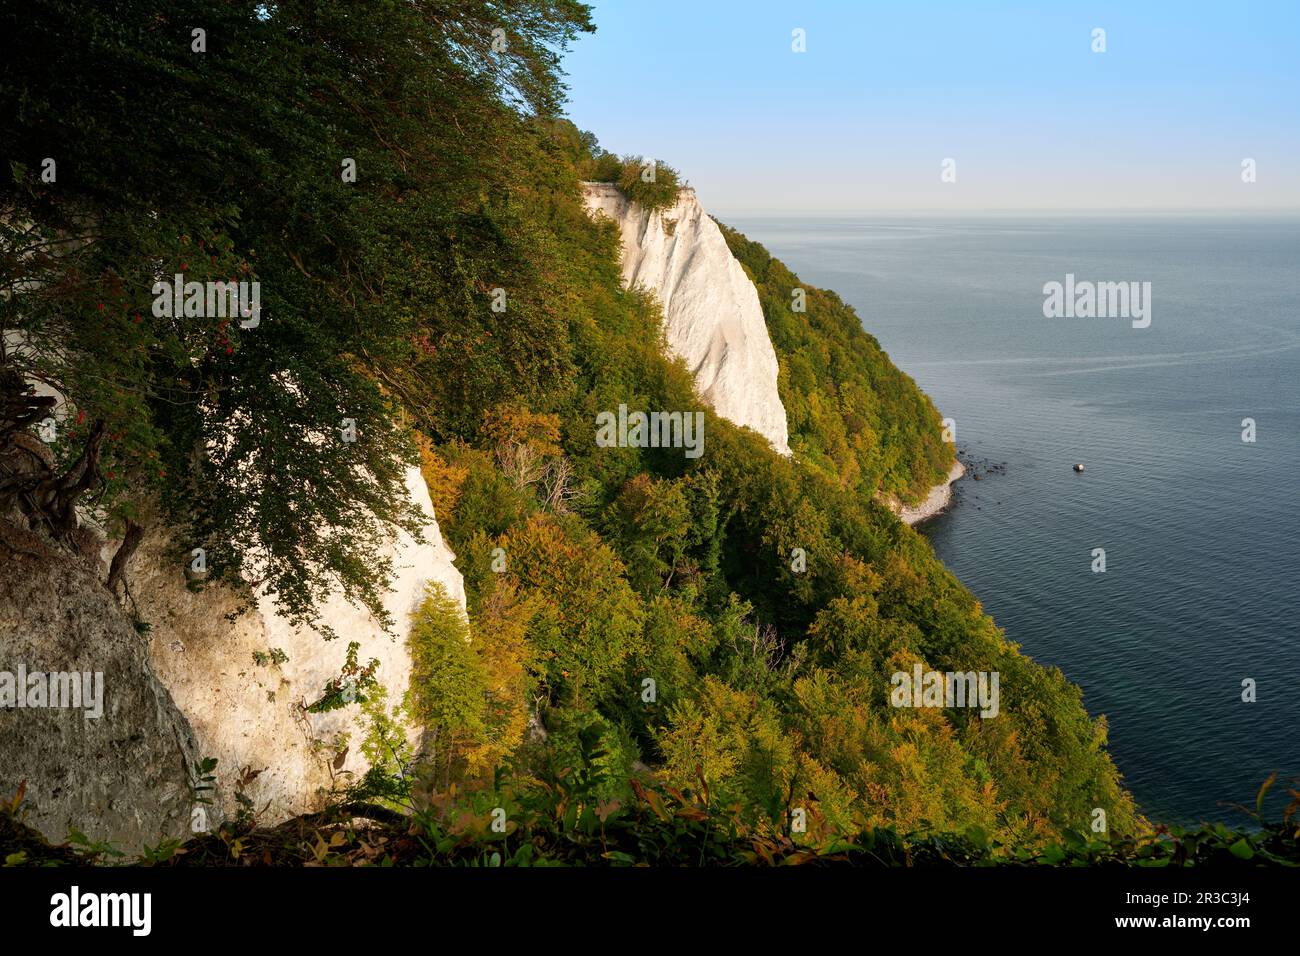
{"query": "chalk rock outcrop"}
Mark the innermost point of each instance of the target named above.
(712, 315)
(121, 776)
(251, 716)
(188, 685)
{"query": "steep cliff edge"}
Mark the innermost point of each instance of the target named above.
(740, 611)
(712, 316)
(195, 680)
(251, 716)
(714, 320)
(853, 414)
(122, 776)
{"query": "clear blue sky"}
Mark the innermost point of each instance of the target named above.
(1011, 91)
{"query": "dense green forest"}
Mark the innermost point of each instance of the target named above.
(852, 413)
(588, 570)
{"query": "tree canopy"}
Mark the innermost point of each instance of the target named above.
(397, 180)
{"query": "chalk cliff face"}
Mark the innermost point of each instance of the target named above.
(187, 687)
(712, 315)
(113, 763)
(251, 716)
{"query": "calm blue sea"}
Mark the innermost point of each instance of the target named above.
(1201, 530)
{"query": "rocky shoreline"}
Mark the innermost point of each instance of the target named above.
(938, 500)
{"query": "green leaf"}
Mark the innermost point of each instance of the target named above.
(1242, 850)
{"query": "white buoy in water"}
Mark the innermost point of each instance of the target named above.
(1078, 467)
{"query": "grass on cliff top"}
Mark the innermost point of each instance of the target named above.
(651, 184)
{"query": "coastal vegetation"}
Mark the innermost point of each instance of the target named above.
(564, 826)
(665, 659)
(651, 184)
(852, 413)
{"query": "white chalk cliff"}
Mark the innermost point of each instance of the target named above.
(712, 316)
(190, 688)
(251, 716)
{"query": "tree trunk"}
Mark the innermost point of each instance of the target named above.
(130, 541)
(57, 497)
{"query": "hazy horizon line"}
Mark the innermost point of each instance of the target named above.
(1223, 211)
